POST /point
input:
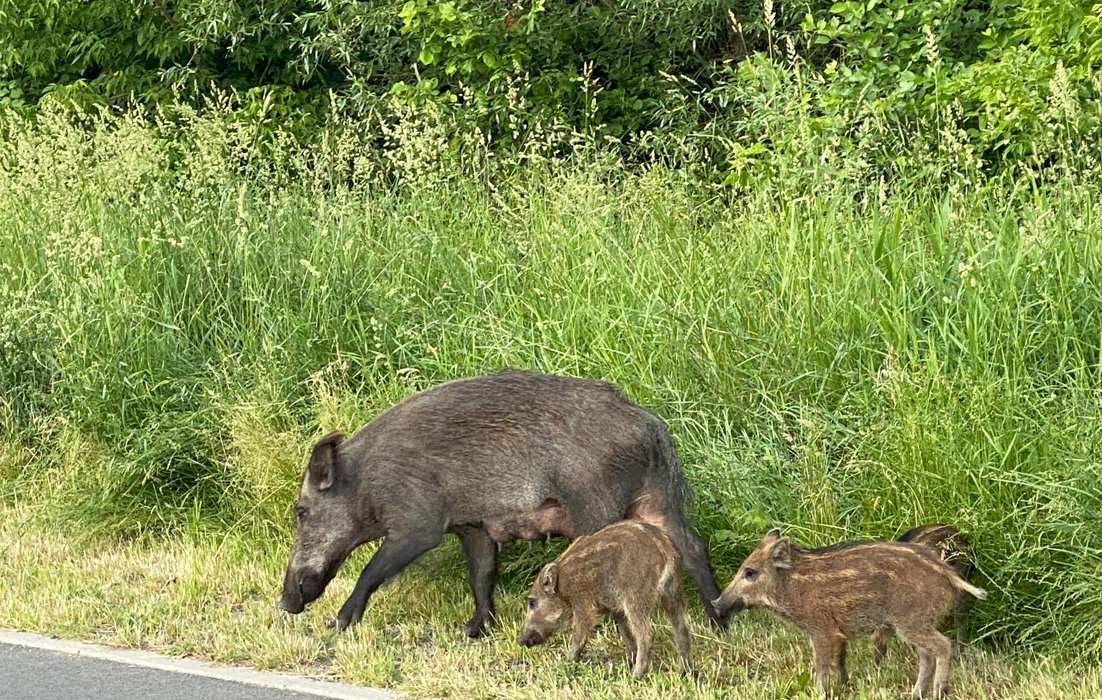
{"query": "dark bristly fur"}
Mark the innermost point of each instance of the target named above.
(835, 593)
(490, 459)
(955, 549)
(625, 570)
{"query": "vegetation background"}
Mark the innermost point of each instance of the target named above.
(851, 251)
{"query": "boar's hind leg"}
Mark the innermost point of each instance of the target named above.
(694, 557)
(960, 614)
(654, 509)
(397, 551)
(481, 567)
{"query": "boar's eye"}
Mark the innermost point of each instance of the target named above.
(531, 603)
(300, 513)
(750, 574)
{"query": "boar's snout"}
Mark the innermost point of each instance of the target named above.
(299, 590)
(529, 638)
(291, 603)
(292, 600)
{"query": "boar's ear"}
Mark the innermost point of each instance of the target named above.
(781, 554)
(323, 461)
(774, 534)
(549, 578)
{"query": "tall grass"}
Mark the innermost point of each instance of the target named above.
(180, 316)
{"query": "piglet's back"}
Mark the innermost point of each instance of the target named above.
(623, 557)
(876, 573)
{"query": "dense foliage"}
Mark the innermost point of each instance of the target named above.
(674, 78)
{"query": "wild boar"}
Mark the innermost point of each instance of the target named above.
(955, 549)
(625, 570)
(835, 593)
(491, 459)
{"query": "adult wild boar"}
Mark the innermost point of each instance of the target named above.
(490, 459)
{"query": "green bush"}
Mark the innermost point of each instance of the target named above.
(665, 79)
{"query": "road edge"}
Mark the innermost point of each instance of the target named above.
(195, 667)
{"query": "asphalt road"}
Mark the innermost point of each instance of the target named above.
(29, 673)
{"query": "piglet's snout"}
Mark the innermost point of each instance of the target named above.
(529, 639)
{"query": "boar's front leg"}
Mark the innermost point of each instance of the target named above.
(481, 567)
(397, 551)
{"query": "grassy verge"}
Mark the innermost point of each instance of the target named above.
(181, 314)
(213, 599)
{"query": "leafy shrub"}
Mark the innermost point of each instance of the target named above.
(1019, 79)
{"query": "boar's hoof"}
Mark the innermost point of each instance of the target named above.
(340, 624)
(475, 627)
(344, 620)
(290, 606)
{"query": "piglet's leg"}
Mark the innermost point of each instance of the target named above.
(840, 661)
(934, 652)
(639, 623)
(880, 639)
(625, 634)
(829, 649)
(676, 611)
(943, 653)
(925, 671)
(584, 620)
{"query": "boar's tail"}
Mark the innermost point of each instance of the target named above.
(674, 519)
(962, 585)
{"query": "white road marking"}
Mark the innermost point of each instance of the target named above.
(193, 667)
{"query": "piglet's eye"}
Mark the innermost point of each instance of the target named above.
(750, 574)
(531, 603)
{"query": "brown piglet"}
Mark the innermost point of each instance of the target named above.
(955, 549)
(625, 569)
(838, 592)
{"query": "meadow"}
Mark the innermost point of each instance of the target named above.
(185, 306)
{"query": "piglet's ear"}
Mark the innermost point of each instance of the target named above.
(781, 554)
(549, 578)
(323, 461)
